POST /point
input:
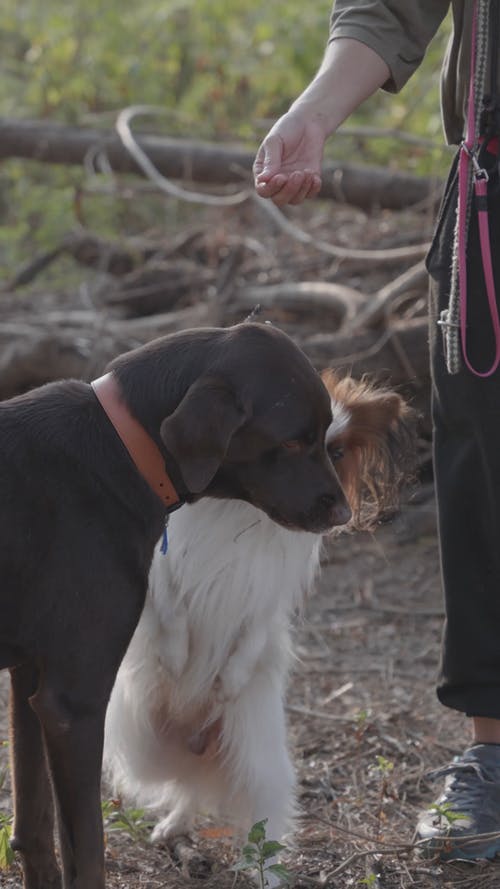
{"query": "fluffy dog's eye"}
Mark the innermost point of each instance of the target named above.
(293, 446)
(335, 454)
(310, 437)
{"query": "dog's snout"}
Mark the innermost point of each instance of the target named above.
(337, 508)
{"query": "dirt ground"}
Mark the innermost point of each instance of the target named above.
(365, 728)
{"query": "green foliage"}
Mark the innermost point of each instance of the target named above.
(218, 67)
(6, 853)
(446, 811)
(220, 71)
(131, 821)
(384, 766)
(215, 65)
(258, 852)
(37, 207)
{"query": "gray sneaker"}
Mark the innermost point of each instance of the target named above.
(464, 822)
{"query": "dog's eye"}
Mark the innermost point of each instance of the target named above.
(310, 437)
(293, 446)
(335, 454)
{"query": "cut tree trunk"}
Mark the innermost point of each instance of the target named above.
(202, 162)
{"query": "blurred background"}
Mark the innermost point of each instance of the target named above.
(220, 71)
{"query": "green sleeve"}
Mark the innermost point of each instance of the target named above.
(399, 31)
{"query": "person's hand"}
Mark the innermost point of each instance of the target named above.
(287, 167)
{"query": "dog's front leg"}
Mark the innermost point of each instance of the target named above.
(242, 662)
(33, 830)
(257, 756)
(74, 740)
(256, 753)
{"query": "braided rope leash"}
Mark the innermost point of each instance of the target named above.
(472, 184)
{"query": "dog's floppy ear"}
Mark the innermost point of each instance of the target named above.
(198, 432)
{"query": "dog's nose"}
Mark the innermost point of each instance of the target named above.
(339, 510)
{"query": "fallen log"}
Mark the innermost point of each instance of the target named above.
(78, 344)
(301, 301)
(160, 287)
(328, 304)
(201, 162)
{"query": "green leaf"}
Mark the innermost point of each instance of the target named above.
(250, 851)
(270, 848)
(243, 864)
(447, 812)
(6, 853)
(280, 871)
(257, 832)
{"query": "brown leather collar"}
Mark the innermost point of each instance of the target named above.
(141, 447)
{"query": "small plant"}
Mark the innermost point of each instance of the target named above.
(361, 721)
(131, 821)
(258, 852)
(361, 718)
(445, 811)
(6, 853)
(370, 880)
(384, 766)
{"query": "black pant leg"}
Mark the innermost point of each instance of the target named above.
(466, 416)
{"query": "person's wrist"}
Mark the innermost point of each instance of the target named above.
(316, 113)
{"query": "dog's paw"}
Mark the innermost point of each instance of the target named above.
(177, 824)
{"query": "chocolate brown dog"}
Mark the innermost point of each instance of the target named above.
(236, 413)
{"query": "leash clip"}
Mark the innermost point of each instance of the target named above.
(443, 320)
(478, 171)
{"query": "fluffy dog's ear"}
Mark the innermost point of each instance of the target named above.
(198, 433)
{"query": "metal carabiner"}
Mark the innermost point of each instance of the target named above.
(478, 171)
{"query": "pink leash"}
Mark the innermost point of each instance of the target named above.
(468, 155)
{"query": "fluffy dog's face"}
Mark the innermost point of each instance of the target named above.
(371, 442)
(254, 428)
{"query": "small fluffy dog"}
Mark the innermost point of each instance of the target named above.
(196, 720)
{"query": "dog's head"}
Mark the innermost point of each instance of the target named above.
(252, 426)
(371, 442)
